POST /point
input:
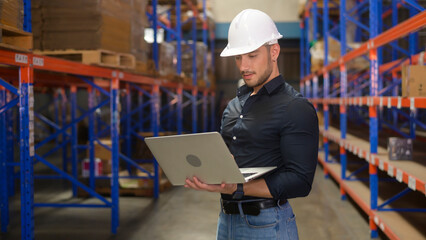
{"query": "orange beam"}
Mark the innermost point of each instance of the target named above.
(70, 67)
(411, 25)
(57, 65)
(13, 58)
(139, 79)
(399, 102)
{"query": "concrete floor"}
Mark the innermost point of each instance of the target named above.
(180, 213)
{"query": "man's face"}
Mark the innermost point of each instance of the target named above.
(255, 67)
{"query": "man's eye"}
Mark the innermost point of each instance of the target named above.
(237, 57)
(252, 56)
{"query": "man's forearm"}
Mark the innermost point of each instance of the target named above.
(257, 188)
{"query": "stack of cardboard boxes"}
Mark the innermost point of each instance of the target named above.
(116, 25)
(12, 34)
(139, 21)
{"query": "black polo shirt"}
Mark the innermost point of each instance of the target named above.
(275, 127)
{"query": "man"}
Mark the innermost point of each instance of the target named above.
(267, 124)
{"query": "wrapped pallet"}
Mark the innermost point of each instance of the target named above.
(332, 6)
(317, 56)
(12, 13)
(168, 59)
(187, 58)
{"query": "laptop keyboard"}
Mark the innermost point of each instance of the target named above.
(248, 174)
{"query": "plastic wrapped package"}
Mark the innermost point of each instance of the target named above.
(167, 59)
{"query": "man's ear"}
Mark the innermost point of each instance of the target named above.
(275, 52)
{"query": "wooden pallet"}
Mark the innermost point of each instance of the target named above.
(146, 68)
(136, 192)
(98, 57)
(15, 39)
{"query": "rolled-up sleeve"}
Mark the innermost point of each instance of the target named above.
(299, 149)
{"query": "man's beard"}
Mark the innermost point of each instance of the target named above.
(262, 78)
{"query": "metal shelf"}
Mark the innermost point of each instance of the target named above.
(408, 172)
(367, 97)
(103, 85)
(175, 33)
(17, 88)
(389, 102)
(391, 223)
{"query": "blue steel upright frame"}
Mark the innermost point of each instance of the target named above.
(26, 153)
(4, 198)
(7, 164)
(381, 81)
(28, 148)
(374, 82)
(175, 33)
(180, 96)
(27, 16)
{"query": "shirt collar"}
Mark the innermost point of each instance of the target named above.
(269, 87)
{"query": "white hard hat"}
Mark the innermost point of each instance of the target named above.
(248, 31)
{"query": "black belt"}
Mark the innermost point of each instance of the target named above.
(250, 207)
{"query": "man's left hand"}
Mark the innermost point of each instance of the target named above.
(196, 184)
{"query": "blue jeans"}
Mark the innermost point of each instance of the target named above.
(272, 223)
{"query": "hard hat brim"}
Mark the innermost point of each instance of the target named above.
(229, 52)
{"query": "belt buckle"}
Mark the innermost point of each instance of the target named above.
(226, 212)
(250, 209)
(224, 209)
(227, 208)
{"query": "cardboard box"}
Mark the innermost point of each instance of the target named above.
(400, 148)
(103, 154)
(413, 81)
(12, 13)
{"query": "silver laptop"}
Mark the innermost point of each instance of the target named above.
(204, 155)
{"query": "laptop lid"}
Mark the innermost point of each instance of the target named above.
(204, 155)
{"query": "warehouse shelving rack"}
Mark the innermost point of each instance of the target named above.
(371, 94)
(161, 106)
(104, 87)
(113, 81)
(175, 33)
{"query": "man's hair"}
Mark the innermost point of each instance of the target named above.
(268, 49)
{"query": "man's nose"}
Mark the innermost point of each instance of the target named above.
(245, 64)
